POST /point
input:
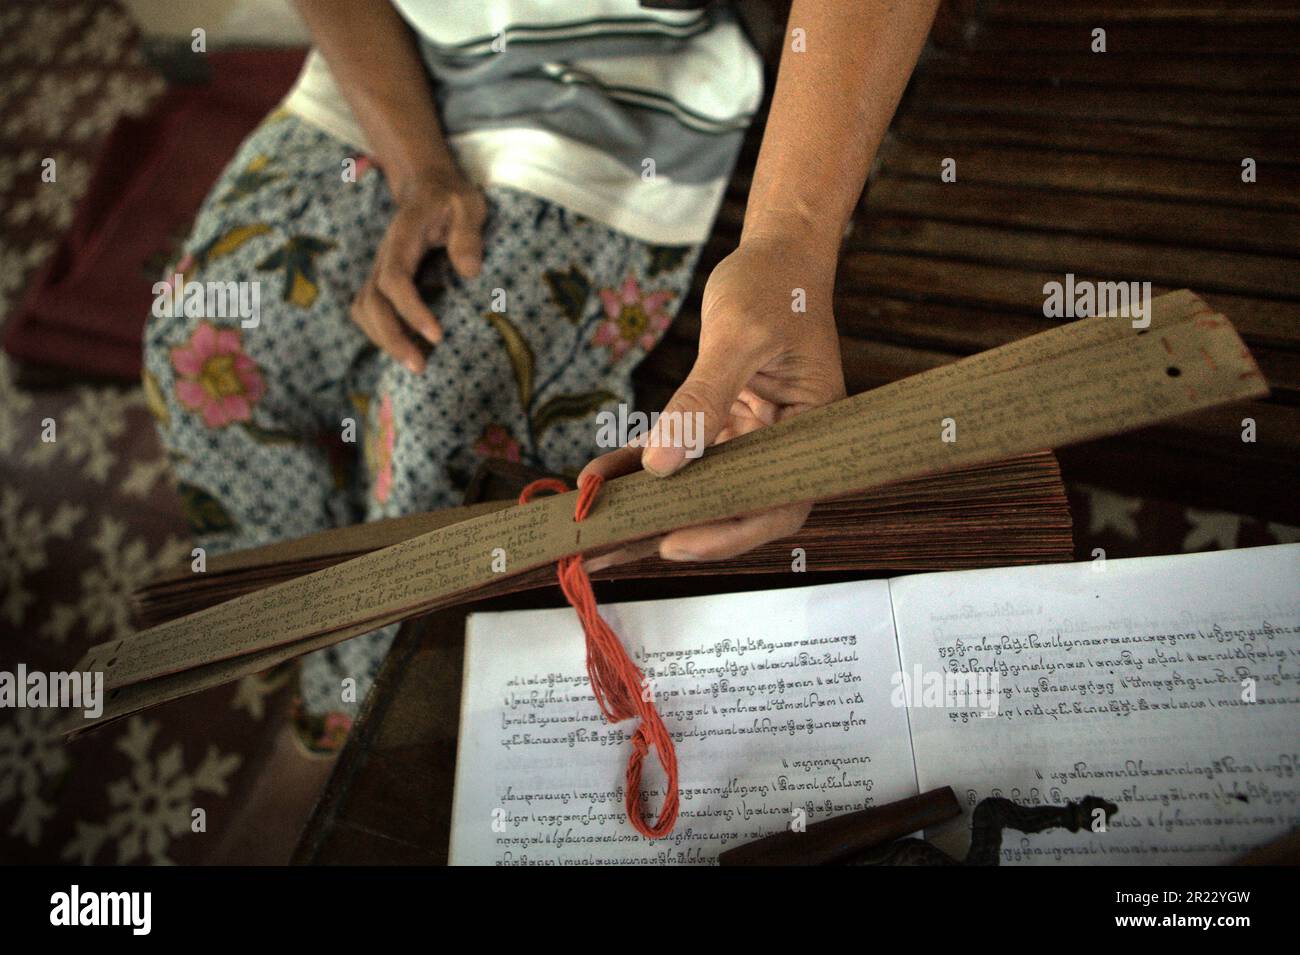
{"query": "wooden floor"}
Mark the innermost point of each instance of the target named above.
(1116, 166)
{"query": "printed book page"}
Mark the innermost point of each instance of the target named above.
(1169, 686)
(772, 697)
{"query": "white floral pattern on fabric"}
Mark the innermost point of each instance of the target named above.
(29, 758)
(1112, 511)
(43, 35)
(50, 105)
(120, 96)
(24, 536)
(25, 162)
(14, 402)
(45, 786)
(152, 806)
(103, 40)
(54, 202)
(103, 605)
(1216, 529)
(252, 692)
(15, 266)
(84, 434)
(144, 476)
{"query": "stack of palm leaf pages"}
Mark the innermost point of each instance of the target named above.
(872, 461)
(1000, 514)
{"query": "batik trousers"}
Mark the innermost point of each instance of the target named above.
(290, 421)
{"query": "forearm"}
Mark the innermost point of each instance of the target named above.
(375, 61)
(832, 105)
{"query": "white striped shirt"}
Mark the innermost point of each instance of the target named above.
(632, 117)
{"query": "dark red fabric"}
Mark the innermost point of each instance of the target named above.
(84, 310)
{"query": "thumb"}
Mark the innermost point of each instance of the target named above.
(700, 408)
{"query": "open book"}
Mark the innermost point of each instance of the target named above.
(1169, 686)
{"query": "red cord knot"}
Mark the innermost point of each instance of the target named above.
(616, 682)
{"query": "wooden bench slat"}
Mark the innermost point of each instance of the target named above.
(1123, 217)
(1087, 11)
(1216, 432)
(1207, 71)
(1277, 188)
(1210, 270)
(1162, 107)
(1279, 148)
(1020, 290)
(959, 331)
(1144, 36)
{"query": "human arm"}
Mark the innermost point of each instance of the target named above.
(374, 59)
(760, 361)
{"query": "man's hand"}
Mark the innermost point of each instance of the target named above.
(436, 205)
(761, 360)
(432, 212)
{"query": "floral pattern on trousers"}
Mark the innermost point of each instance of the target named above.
(298, 423)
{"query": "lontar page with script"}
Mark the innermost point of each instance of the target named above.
(1169, 686)
(1091, 378)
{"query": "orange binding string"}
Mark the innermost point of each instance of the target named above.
(615, 679)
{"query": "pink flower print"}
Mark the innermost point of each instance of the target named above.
(496, 442)
(184, 265)
(363, 164)
(632, 318)
(335, 731)
(215, 377)
(379, 452)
